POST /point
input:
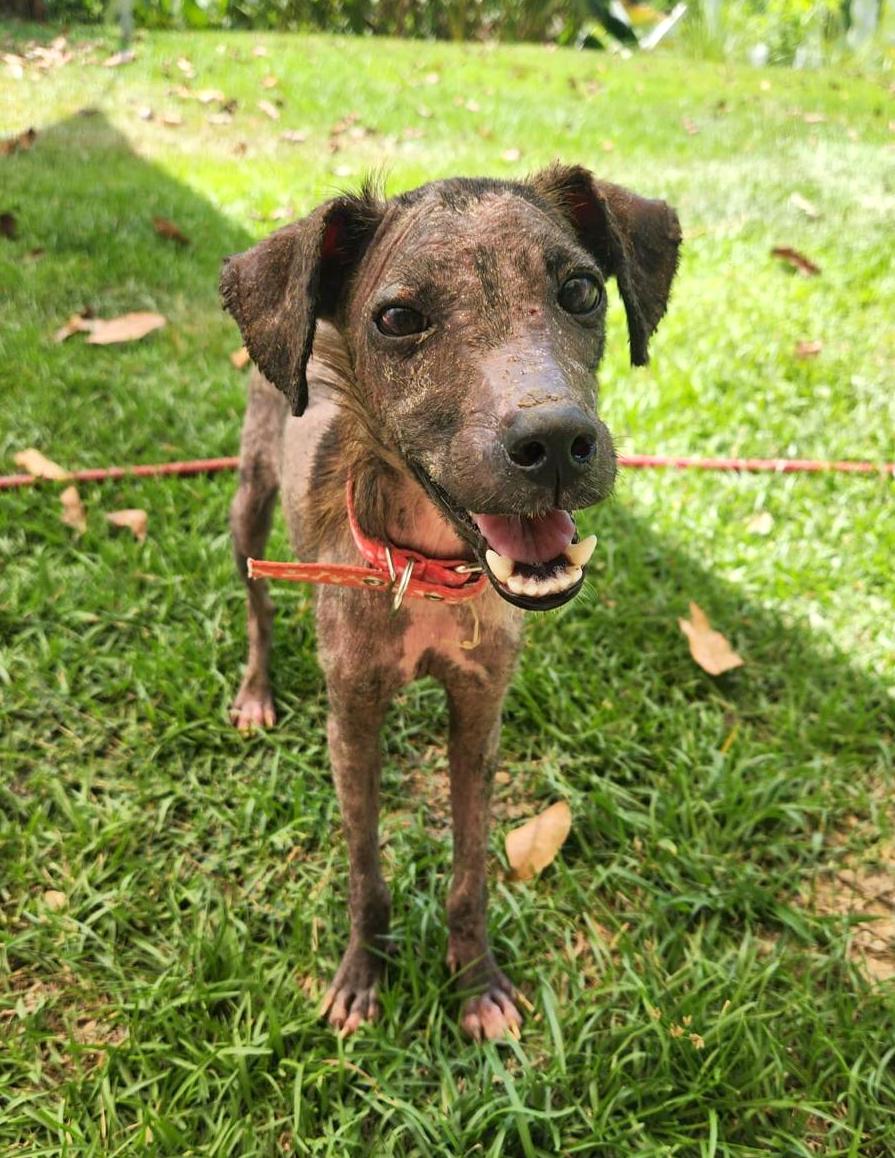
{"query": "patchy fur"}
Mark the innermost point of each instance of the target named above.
(425, 422)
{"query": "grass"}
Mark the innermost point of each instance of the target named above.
(172, 897)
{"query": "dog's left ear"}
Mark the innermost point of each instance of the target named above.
(277, 290)
(633, 239)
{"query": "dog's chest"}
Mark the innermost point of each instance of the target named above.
(435, 636)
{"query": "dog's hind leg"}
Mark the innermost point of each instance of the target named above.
(250, 518)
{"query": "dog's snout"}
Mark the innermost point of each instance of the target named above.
(551, 446)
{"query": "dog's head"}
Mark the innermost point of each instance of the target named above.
(473, 312)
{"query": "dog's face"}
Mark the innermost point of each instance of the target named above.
(473, 313)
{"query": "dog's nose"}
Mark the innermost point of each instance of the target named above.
(551, 446)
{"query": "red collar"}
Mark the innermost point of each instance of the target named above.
(402, 572)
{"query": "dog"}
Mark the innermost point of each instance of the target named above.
(425, 389)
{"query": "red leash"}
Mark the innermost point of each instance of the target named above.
(630, 461)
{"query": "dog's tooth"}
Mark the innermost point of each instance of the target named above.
(579, 553)
(501, 567)
(571, 575)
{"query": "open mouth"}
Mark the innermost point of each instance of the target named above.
(536, 562)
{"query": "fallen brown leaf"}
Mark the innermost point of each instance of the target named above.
(37, 464)
(792, 257)
(269, 109)
(294, 136)
(133, 519)
(797, 201)
(814, 118)
(118, 58)
(9, 227)
(690, 127)
(166, 228)
(127, 328)
(20, 143)
(809, 349)
(73, 513)
(270, 81)
(55, 900)
(221, 118)
(240, 358)
(206, 96)
(533, 845)
(171, 120)
(76, 324)
(708, 647)
(259, 50)
(186, 66)
(761, 523)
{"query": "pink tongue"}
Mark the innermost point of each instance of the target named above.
(535, 540)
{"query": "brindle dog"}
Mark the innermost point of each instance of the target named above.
(450, 338)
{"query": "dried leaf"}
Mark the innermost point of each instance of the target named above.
(171, 120)
(55, 900)
(119, 58)
(797, 260)
(808, 349)
(814, 118)
(240, 358)
(20, 143)
(424, 111)
(269, 110)
(761, 523)
(73, 513)
(186, 66)
(9, 227)
(709, 648)
(133, 518)
(259, 50)
(76, 324)
(294, 136)
(206, 96)
(270, 81)
(511, 155)
(797, 201)
(166, 228)
(14, 65)
(39, 465)
(533, 845)
(690, 127)
(127, 328)
(221, 118)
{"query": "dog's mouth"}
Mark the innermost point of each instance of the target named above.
(536, 562)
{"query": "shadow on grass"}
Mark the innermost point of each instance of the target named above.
(198, 862)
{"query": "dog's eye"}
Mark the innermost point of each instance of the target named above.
(399, 321)
(580, 294)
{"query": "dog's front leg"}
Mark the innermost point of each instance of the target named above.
(356, 716)
(489, 1011)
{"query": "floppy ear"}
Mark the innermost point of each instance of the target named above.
(277, 290)
(633, 240)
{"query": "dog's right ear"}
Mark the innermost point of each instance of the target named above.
(277, 290)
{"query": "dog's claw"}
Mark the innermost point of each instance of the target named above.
(347, 1010)
(251, 710)
(492, 1015)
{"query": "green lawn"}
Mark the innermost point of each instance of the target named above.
(172, 896)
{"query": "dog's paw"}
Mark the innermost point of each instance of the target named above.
(251, 710)
(347, 1009)
(352, 999)
(492, 1015)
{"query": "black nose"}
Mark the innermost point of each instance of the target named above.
(551, 447)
